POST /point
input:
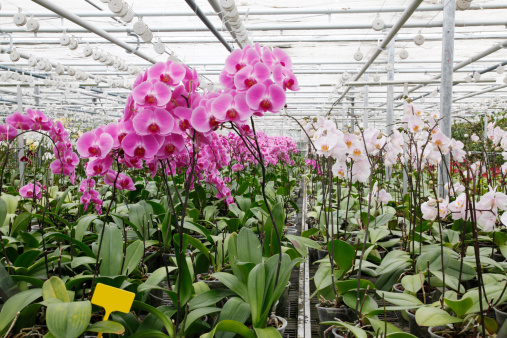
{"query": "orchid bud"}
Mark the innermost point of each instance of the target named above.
(379, 136)
(432, 202)
(430, 182)
(357, 132)
(440, 200)
(466, 135)
(425, 128)
(498, 149)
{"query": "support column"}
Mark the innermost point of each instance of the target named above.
(390, 100)
(21, 141)
(365, 113)
(353, 114)
(449, 15)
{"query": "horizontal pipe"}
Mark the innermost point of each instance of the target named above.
(282, 11)
(91, 27)
(261, 27)
(280, 39)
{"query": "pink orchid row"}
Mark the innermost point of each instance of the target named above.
(167, 118)
(66, 159)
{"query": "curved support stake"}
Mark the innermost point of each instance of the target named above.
(10, 43)
(129, 33)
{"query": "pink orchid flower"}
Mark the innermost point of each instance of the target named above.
(130, 109)
(152, 94)
(142, 147)
(237, 167)
(40, 120)
(153, 122)
(19, 121)
(226, 79)
(172, 145)
(276, 57)
(69, 157)
(132, 162)
(170, 73)
(251, 75)
(98, 166)
(94, 144)
(191, 80)
(266, 97)
(123, 182)
(227, 107)
(285, 78)
(86, 184)
(60, 167)
(7, 132)
(202, 121)
(239, 59)
(58, 132)
(29, 190)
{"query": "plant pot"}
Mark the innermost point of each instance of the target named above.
(283, 302)
(498, 257)
(500, 316)
(335, 333)
(434, 335)
(213, 284)
(415, 329)
(430, 297)
(281, 329)
(327, 314)
(321, 254)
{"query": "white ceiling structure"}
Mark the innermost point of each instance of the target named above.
(321, 37)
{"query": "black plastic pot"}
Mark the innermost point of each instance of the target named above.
(500, 316)
(327, 314)
(430, 297)
(321, 254)
(283, 302)
(415, 329)
(213, 284)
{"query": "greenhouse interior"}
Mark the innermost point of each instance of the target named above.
(255, 168)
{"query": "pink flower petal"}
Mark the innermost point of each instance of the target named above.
(277, 96)
(165, 121)
(162, 92)
(139, 93)
(220, 106)
(200, 119)
(255, 95)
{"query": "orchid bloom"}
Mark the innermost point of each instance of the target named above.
(285, 78)
(172, 145)
(98, 166)
(152, 94)
(40, 120)
(265, 97)
(202, 121)
(29, 190)
(7, 132)
(19, 121)
(170, 73)
(142, 147)
(123, 182)
(229, 107)
(248, 76)
(94, 144)
(153, 122)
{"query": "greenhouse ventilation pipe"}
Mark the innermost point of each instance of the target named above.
(208, 24)
(396, 27)
(464, 63)
(92, 28)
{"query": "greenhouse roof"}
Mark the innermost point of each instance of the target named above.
(321, 37)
